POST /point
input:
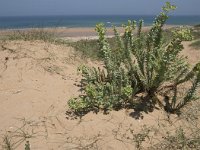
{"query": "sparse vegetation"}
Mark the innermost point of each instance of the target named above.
(196, 44)
(196, 26)
(33, 35)
(13, 139)
(179, 140)
(91, 49)
(185, 136)
(196, 33)
(87, 48)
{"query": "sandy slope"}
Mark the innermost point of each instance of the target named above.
(37, 79)
(193, 55)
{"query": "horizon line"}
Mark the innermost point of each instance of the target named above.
(59, 15)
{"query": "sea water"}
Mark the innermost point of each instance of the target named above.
(87, 21)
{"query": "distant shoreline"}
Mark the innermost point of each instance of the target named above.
(84, 27)
(84, 32)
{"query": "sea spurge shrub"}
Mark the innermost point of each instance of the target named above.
(175, 103)
(168, 7)
(183, 34)
(141, 63)
(102, 91)
(104, 46)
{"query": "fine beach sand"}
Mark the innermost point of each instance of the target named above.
(36, 81)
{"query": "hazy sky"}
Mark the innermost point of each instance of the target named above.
(93, 7)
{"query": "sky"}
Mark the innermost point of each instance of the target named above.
(94, 7)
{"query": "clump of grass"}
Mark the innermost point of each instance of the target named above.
(13, 138)
(196, 35)
(33, 35)
(196, 32)
(91, 49)
(87, 48)
(197, 25)
(196, 44)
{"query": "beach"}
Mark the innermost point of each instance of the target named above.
(76, 34)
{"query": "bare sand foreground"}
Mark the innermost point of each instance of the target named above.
(36, 81)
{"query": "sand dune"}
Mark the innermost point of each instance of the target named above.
(36, 81)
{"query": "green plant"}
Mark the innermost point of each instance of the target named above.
(176, 104)
(147, 64)
(102, 91)
(27, 146)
